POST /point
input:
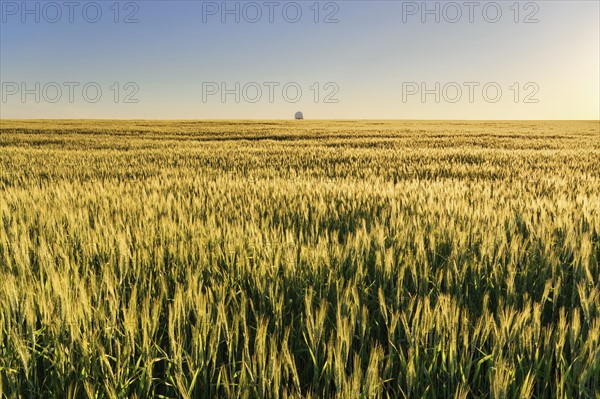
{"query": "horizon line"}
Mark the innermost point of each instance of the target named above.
(294, 120)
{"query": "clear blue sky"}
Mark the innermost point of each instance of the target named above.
(377, 58)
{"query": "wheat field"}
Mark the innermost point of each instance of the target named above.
(275, 259)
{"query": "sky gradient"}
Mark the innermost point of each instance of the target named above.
(371, 60)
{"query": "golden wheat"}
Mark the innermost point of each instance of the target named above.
(285, 260)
